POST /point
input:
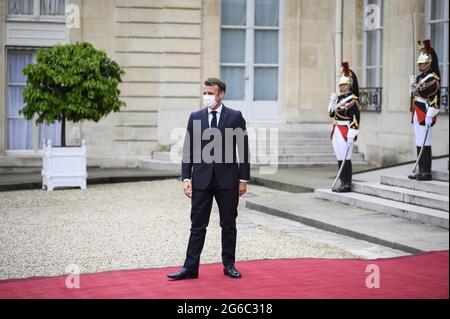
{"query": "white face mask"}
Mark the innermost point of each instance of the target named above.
(209, 101)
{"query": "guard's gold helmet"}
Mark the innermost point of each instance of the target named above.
(346, 76)
(346, 80)
(425, 52)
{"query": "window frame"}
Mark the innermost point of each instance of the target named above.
(444, 61)
(378, 66)
(249, 64)
(35, 127)
(36, 136)
(36, 16)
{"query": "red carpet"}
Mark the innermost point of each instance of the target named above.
(420, 276)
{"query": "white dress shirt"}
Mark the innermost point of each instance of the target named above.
(210, 116)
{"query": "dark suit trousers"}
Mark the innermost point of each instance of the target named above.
(227, 201)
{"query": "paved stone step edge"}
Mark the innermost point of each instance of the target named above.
(159, 165)
(441, 176)
(437, 187)
(281, 186)
(331, 227)
(402, 195)
(407, 211)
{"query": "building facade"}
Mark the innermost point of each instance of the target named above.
(277, 57)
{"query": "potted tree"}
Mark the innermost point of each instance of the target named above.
(71, 82)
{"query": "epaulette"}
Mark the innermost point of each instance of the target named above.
(436, 76)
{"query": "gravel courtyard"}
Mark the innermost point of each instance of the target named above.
(125, 226)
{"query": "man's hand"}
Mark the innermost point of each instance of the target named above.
(332, 103)
(412, 84)
(428, 121)
(242, 188)
(187, 187)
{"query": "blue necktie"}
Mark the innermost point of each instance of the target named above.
(213, 125)
(214, 119)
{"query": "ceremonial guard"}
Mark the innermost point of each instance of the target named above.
(425, 92)
(345, 111)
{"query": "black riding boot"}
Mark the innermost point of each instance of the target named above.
(419, 172)
(425, 164)
(346, 175)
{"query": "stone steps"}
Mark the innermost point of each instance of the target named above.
(158, 165)
(311, 164)
(387, 206)
(311, 149)
(282, 158)
(437, 187)
(162, 156)
(304, 134)
(358, 157)
(302, 141)
(298, 146)
(162, 165)
(325, 149)
(408, 196)
(382, 229)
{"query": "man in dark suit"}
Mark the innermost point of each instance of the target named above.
(211, 169)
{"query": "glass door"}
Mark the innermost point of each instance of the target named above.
(250, 51)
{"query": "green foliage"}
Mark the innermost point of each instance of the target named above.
(71, 82)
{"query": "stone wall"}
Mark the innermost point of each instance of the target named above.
(158, 43)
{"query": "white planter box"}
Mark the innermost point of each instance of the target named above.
(63, 166)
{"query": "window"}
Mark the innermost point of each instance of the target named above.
(250, 56)
(249, 48)
(20, 131)
(372, 66)
(372, 49)
(23, 134)
(438, 33)
(233, 47)
(20, 7)
(32, 9)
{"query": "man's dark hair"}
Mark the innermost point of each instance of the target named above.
(213, 81)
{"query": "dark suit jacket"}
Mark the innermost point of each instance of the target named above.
(229, 170)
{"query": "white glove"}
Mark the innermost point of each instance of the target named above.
(428, 121)
(432, 111)
(412, 84)
(332, 103)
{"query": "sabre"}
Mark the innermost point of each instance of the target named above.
(340, 168)
(413, 36)
(421, 150)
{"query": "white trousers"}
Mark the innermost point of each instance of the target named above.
(340, 145)
(419, 132)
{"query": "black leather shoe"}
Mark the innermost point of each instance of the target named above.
(232, 272)
(414, 175)
(344, 189)
(184, 273)
(424, 177)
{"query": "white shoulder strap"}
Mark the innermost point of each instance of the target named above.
(348, 98)
(425, 79)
